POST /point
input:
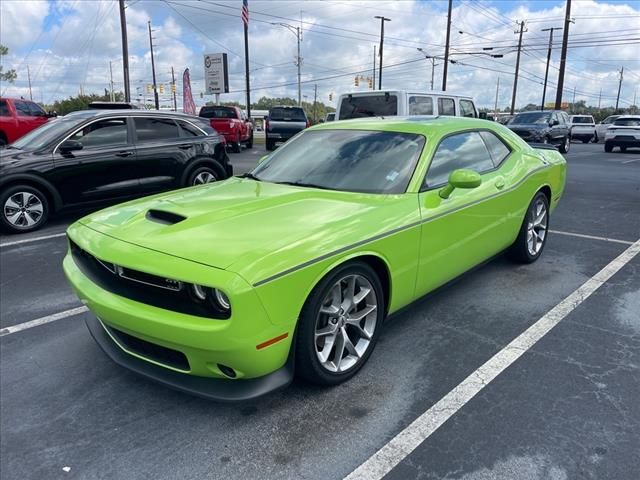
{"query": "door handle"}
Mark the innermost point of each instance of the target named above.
(125, 153)
(185, 146)
(499, 183)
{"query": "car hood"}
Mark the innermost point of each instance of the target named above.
(528, 126)
(235, 223)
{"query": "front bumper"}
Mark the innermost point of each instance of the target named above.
(212, 389)
(207, 346)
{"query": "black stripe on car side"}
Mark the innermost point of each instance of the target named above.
(393, 231)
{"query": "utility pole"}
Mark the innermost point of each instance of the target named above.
(546, 72)
(173, 88)
(299, 62)
(573, 103)
(382, 20)
(125, 52)
(599, 98)
(446, 49)
(433, 64)
(495, 108)
(112, 96)
(374, 68)
(315, 99)
(515, 78)
(563, 55)
(153, 71)
(29, 77)
(619, 87)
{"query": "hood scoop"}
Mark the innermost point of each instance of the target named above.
(163, 217)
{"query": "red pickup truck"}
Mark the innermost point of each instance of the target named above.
(230, 122)
(18, 117)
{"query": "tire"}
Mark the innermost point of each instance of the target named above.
(595, 138)
(204, 174)
(23, 208)
(237, 146)
(623, 149)
(3, 141)
(586, 140)
(269, 145)
(532, 236)
(249, 143)
(545, 140)
(330, 295)
(565, 145)
(608, 147)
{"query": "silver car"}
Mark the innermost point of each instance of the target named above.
(601, 128)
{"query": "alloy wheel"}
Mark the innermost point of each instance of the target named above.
(346, 323)
(537, 227)
(204, 177)
(23, 209)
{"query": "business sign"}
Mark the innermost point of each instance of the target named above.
(216, 73)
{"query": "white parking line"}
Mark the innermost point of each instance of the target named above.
(591, 237)
(390, 455)
(632, 160)
(42, 320)
(35, 239)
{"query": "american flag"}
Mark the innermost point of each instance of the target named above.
(245, 12)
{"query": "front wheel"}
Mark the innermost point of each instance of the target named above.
(24, 209)
(202, 175)
(339, 324)
(623, 149)
(595, 138)
(533, 233)
(565, 145)
(608, 147)
(237, 146)
(270, 145)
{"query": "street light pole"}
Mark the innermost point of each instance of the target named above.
(125, 52)
(298, 34)
(563, 55)
(153, 71)
(446, 49)
(515, 78)
(382, 20)
(546, 72)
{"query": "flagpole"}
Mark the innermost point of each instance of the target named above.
(245, 20)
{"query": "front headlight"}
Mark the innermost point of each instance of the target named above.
(214, 298)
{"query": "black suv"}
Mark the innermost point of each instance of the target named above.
(548, 126)
(97, 156)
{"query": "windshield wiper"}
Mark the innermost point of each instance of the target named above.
(304, 184)
(251, 176)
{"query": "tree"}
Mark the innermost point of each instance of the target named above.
(81, 102)
(9, 75)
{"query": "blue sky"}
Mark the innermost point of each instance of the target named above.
(69, 43)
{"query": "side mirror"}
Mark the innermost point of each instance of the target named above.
(262, 159)
(483, 115)
(70, 146)
(461, 178)
(553, 123)
(52, 114)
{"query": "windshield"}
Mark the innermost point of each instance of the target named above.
(531, 118)
(218, 112)
(47, 133)
(282, 114)
(368, 106)
(347, 160)
(582, 120)
(627, 122)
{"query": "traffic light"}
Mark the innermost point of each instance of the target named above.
(161, 88)
(149, 88)
(173, 88)
(357, 81)
(331, 97)
(370, 83)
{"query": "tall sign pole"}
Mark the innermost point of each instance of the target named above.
(153, 71)
(245, 21)
(563, 55)
(619, 87)
(382, 20)
(546, 72)
(125, 52)
(515, 78)
(446, 49)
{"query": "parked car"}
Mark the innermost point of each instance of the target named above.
(548, 126)
(18, 117)
(582, 127)
(282, 123)
(601, 128)
(313, 248)
(330, 117)
(623, 133)
(403, 103)
(232, 123)
(94, 156)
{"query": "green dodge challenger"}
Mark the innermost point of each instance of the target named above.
(224, 290)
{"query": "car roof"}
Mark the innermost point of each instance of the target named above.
(127, 112)
(438, 93)
(622, 117)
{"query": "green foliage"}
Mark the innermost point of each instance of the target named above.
(81, 102)
(265, 103)
(9, 75)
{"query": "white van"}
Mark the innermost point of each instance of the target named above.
(402, 103)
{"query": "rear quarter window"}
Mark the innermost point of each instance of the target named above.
(446, 106)
(467, 109)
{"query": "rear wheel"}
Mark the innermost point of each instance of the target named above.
(339, 324)
(595, 138)
(533, 233)
(565, 145)
(24, 209)
(608, 147)
(237, 146)
(249, 143)
(204, 174)
(586, 140)
(623, 149)
(270, 144)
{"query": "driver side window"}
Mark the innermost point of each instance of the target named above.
(464, 150)
(104, 133)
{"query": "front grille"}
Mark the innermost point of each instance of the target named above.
(142, 287)
(157, 353)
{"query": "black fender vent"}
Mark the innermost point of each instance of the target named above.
(166, 218)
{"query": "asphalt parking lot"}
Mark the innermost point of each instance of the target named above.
(565, 408)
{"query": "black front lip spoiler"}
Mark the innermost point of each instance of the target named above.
(220, 390)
